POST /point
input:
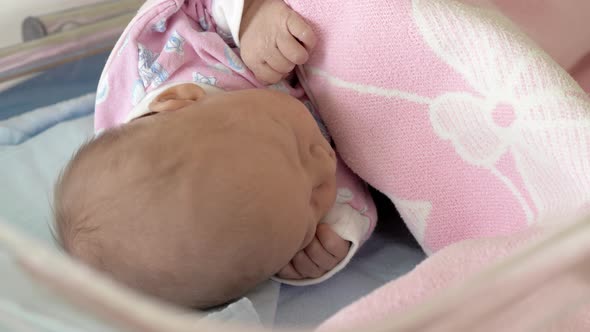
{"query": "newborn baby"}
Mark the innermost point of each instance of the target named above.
(195, 194)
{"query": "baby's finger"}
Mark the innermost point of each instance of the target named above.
(266, 74)
(316, 252)
(305, 266)
(301, 30)
(292, 49)
(279, 63)
(332, 242)
(289, 272)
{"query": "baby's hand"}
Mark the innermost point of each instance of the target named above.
(324, 252)
(273, 39)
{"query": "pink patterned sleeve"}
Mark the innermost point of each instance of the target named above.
(168, 41)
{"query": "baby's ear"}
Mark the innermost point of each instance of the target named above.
(176, 97)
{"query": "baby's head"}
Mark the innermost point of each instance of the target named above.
(202, 200)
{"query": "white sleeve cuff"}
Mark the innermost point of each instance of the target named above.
(350, 225)
(227, 15)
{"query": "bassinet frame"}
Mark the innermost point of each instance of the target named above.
(542, 268)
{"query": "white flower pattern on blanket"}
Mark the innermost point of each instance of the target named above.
(531, 116)
(491, 135)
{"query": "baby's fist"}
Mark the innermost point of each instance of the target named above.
(273, 39)
(325, 251)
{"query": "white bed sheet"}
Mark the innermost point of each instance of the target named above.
(27, 174)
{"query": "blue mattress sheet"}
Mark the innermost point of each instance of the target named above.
(55, 85)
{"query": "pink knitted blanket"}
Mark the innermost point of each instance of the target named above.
(539, 293)
(462, 121)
